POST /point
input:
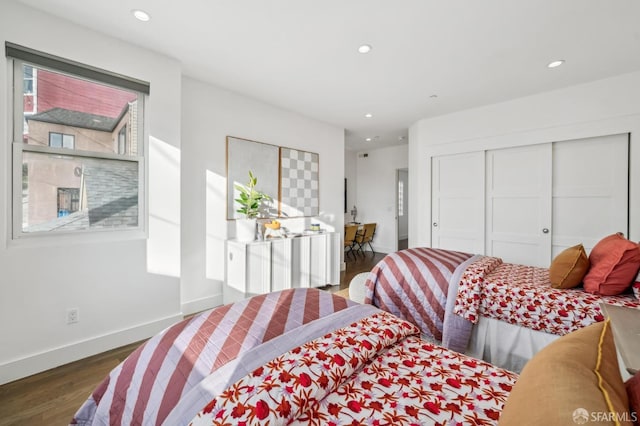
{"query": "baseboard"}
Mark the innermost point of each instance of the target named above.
(383, 250)
(43, 361)
(203, 304)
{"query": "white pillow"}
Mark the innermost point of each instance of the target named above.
(357, 289)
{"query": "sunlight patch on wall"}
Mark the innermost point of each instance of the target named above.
(216, 225)
(163, 245)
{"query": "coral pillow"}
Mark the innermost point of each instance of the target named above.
(614, 262)
(569, 267)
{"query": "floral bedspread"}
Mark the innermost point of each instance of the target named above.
(522, 295)
(375, 371)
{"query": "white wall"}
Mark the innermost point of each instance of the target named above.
(350, 172)
(598, 108)
(376, 193)
(125, 290)
(209, 114)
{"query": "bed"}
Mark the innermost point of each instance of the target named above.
(503, 313)
(303, 356)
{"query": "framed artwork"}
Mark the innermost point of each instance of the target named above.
(261, 158)
(299, 182)
(289, 176)
(345, 195)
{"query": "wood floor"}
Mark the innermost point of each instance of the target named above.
(51, 398)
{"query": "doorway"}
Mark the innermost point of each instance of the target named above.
(402, 209)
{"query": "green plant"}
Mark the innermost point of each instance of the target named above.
(250, 198)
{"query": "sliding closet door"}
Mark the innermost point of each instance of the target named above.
(518, 194)
(457, 209)
(590, 190)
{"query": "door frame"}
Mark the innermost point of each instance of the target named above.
(397, 205)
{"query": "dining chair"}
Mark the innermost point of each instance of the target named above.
(365, 236)
(350, 237)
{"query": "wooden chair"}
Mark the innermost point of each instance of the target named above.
(365, 236)
(350, 237)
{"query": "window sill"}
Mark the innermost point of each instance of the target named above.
(72, 238)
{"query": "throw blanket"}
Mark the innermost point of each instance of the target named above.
(374, 371)
(167, 372)
(420, 285)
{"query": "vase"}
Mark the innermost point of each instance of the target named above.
(246, 230)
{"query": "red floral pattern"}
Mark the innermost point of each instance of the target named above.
(377, 371)
(522, 295)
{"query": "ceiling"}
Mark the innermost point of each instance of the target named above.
(429, 57)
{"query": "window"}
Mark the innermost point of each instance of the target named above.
(74, 168)
(400, 198)
(60, 140)
(68, 201)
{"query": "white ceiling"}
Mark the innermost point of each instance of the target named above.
(301, 55)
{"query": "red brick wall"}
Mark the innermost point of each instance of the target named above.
(57, 90)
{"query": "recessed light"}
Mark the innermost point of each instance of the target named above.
(555, 63)
(433, 96)
(141, 15)
(368, 115)
(368, 139)
(365, 48)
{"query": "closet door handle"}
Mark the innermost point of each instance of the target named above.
(435, 224)
(545, 230)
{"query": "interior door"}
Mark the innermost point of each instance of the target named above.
(590, 190)
(518, 220)
(458, 202)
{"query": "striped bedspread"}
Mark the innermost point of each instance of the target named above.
(420, 285)
(169, 377)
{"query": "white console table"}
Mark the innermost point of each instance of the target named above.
(277, 264)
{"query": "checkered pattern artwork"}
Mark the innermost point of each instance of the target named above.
(298, 183)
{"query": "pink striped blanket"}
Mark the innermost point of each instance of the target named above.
(420, 285)
(172, 376)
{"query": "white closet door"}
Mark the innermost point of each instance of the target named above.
(457, 214)
(518, 221)
(590, 190)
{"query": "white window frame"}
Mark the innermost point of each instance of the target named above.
(16, 116)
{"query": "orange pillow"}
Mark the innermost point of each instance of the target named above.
(614, 263)
(569, 267)
(574, 374)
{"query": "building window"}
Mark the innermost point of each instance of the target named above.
(69, 176)
(68, 201)
(60, 140)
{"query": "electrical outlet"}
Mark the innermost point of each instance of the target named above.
(73, 315)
